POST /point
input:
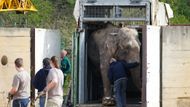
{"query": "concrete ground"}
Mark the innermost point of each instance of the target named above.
(100, 105)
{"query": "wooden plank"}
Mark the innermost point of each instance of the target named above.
(175, 66)
(13, 32)
(179, 102)
(174, 93)
(170, 103)
(15, 41)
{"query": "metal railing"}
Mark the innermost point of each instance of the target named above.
(131, 13)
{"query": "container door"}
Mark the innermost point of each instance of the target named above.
(75, 63)
(79, 67)
(82, 69)
(151, 63)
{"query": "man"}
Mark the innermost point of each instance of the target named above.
(40, 80)
(65, 66)
(118, 77)
(65, 63)
(20, 86)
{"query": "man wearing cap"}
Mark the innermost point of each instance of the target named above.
(39, 81)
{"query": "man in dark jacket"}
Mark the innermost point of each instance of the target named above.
(39, 81)
(118, 77)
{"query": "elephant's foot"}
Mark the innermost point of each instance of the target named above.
(108, 101)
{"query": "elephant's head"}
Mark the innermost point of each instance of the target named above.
(128, 45)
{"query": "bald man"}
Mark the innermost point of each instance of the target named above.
(65, 63)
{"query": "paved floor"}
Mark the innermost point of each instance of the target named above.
(99, 105)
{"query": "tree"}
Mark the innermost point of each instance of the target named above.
(181, 11)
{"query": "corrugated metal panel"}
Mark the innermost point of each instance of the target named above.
(82, 68)
(75, 63)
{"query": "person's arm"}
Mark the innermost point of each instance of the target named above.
(53, 80)
(13, 91)
(50, 85)
(131, 65)
(15, 85)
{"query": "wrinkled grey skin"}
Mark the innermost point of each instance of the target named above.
(109, 42)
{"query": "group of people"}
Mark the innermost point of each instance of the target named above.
(48, 81)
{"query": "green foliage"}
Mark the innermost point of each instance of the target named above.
(180, 19)
(57, 14)
(43, 17)
(51, 14)
(181, 10)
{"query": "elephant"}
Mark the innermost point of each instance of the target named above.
(118, 42)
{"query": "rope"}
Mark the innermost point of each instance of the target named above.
(10, 97)
(46, 99)
(8, 103)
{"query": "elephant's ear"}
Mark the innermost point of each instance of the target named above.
(111, 44)
(123, 39)
(133, 32)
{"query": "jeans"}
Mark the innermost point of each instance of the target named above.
(120, 86)
(21, 102)
(42, 101)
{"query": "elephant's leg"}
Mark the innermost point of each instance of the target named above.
(107, 98)
(106, 82)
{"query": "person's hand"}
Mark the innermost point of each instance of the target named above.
(45, 89)
(10, 96)
(137, 63)
(41, 93)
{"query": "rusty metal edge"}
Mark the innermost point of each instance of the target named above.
(32, 66)
(161, 56)
(179, 25)
(144, 67)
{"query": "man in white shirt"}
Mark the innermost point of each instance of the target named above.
(20, 86)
